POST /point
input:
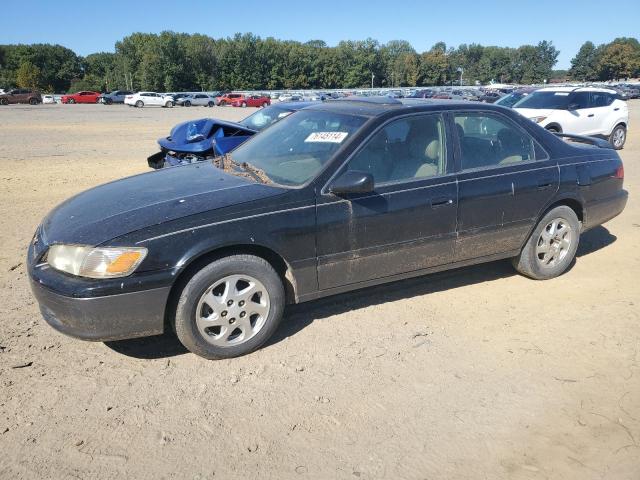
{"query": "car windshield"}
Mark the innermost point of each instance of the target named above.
(551, 100)
(265, 117)
(510, 100)
(294, 150)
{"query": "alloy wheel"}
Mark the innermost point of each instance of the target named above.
(232, 310)
(554, 243)
(619, 137)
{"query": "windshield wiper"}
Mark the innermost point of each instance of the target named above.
(227, 164)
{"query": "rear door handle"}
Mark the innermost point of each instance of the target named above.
(544, 184)
(590, 115)
(441, 202)
(616, 109)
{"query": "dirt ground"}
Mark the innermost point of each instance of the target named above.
(473, 374)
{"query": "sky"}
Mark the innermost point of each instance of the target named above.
(87, 29)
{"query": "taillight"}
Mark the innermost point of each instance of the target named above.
(619, 172)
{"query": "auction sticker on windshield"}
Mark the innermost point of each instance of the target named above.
(327, 137)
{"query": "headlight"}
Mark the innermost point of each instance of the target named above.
(95, 262)
(539, 119)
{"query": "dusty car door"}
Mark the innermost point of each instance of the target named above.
(407, 223)
(19, 96)
(505, 179)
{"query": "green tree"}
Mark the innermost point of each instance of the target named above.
(29, 76)
(619, 59)
(433, 66)
(584, 66)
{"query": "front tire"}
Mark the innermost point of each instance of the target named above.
(71, 101)
(33, 101)
(139, 104)
(230, 308)
(187, 103)
(210, 104)
(552, 246)
(169, 104)
(618, 137)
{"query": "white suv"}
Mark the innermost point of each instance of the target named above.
(144, 99)
(582, 111)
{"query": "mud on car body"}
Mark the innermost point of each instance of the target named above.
(335, 197)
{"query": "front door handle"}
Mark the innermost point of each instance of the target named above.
(441, 202)
(590, 115)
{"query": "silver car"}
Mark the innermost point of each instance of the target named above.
(196, 99)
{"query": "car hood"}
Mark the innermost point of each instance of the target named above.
(123, 206)
(534, 112)
(194, 136)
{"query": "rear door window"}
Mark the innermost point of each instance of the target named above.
(601, 99)
(488, 140)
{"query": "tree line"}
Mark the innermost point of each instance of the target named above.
(172, 61)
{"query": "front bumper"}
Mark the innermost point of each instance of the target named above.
(110, 317)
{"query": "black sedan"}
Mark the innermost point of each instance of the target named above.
(335, 197)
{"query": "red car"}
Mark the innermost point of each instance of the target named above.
(81, 97)
(228, 98)
(252, 101)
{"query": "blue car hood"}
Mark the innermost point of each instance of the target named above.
(124, 206)
(195, 136)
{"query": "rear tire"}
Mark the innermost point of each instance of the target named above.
(169, 104)
(33, 101)
(4, 101)
(264, 105)
(108, 101)
(187, 103)
(210, 104)
(552, 246)
(71, 101)
(618, 137)
(139, 104)
(222, 103)
(214, 317)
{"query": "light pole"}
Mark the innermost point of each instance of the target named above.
(373, 75)
(461, 70)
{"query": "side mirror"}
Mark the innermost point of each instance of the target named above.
(352, 181)
(573, 106)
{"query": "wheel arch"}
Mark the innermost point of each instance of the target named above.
(198, 261)
(570, 201)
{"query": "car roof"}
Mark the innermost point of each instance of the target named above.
(577, 89)
(296, 105)
(377, 106)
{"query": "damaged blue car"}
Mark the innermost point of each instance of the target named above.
(206, 138)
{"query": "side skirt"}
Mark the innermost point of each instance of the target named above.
(403, 276)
